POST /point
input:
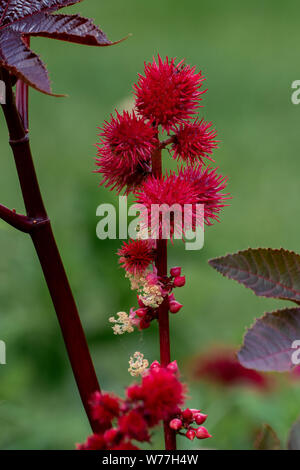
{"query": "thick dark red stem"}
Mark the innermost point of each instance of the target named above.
(161, 264)
(37, 224)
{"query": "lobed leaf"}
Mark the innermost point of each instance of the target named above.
(267, 272)
(268, 344)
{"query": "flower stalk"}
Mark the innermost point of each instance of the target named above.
(161, 263)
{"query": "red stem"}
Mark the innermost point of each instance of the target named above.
(161, 264)
(37, 224)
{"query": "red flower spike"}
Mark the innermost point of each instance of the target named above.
(200, 418)
(127, 142)
(190, 434)
(176, 271)
(168, 93)
(193, 141)
(136, 255)
(202, 433)
(179, 281)
(176, 424)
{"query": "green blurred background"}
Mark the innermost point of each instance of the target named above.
(248, 52)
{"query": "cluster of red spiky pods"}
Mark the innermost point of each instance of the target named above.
(129, 159)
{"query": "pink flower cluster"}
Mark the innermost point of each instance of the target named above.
(121, 421)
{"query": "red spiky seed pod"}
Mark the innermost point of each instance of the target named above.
(179, 281)
(202, 433)
(194, 141)
(136, 255)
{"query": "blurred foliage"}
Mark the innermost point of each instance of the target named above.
(248, 53)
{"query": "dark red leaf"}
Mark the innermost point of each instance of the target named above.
(269, 273)
(294, 436)
(269, 343)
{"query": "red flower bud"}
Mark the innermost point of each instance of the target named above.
(202, 433)
(171, 297)
(200, 418)
(175, 272)
(175, 306)
(176, 424)
(179, 281)
(190, 434)
(187, 415)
